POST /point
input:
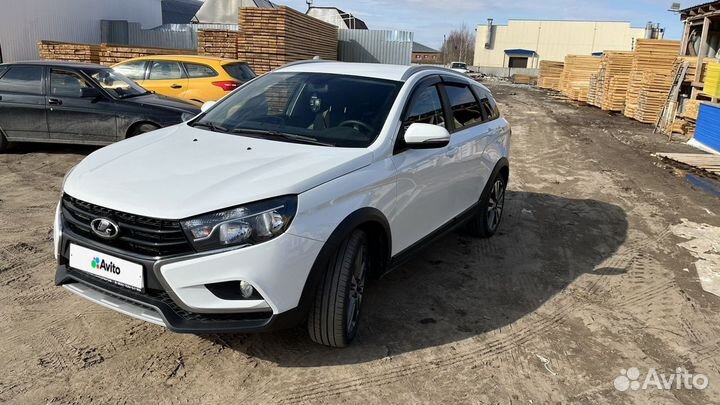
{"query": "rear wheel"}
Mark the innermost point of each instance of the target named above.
(335, 315)
(487, 219)
(143, 128)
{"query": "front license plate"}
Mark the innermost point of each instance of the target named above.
(114, 269)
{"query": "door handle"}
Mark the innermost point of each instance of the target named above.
(175, 86)
(54, 101)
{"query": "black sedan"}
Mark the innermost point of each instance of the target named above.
(63, 102)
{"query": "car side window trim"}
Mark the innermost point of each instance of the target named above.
(449, 106)
(483, 95)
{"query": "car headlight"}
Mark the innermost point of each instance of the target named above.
(248, 224)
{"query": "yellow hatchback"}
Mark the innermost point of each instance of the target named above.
(195, 78)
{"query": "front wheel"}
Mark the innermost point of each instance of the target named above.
(143, 128)
(333, 321)
(487, 219)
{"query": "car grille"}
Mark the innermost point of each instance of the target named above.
(142, 235)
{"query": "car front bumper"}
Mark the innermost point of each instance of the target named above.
(175, 295)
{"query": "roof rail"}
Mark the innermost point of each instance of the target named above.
(416, 69)
(302, 62)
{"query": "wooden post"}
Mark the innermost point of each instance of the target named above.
(685, 38)
(701, 55)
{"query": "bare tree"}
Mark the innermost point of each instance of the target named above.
(459, 45)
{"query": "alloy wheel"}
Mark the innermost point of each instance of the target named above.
(496, 204)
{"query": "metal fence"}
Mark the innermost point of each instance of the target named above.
(173, 36)
(375, 46)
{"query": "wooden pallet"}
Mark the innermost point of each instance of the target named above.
(701, 161)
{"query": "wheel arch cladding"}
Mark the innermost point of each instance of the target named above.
(370, 220)
(502, 167)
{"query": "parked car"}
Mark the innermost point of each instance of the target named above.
(196, 78)
(61, 102)
(460, 67)
(276, 204)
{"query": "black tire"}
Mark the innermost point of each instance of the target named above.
(486, 221)
(142, 128)
(333, 320)
(3, 143)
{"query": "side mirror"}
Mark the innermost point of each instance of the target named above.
(426, 136)
(207, 105)
(89, 92)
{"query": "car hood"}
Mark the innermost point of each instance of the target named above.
(180, 171)
(157, 100)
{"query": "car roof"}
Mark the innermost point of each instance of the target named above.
(185, 58)
(68, 64)
(373, 70)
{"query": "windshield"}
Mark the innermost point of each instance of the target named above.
(115, 83)
(337, 110)
(459, 65)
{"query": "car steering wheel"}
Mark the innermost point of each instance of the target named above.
(355, 124)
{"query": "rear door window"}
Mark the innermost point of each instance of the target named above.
(197, 70)
(132, 70)
(165, 70)
(22, 79)
(239, 71)
(466, 110)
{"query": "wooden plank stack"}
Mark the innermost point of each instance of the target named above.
(112, 54)
(596, 87)
(614, 78)
(271, 37)
(218, 43)
(651, 78)
(52, 50)
(575, 80)
(550, 73)
(523, 79)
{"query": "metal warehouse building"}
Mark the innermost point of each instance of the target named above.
(523, 43)
(24, 23)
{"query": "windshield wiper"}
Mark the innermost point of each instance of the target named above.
(209, 125)
(284, 135)
(134, 95)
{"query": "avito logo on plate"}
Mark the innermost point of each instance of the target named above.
(630, 379)
(103, 265)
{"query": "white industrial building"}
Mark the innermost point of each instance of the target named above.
(24, 23)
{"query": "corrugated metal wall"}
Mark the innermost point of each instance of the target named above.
(175, 36)
(375, 46)
(708, 127)
(24, 23)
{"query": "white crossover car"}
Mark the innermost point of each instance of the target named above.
(274, 206)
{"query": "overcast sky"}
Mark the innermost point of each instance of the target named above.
(430, 19)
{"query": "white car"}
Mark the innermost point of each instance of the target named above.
(460, 67)
(274, 205)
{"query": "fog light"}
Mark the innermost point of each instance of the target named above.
(246, 289)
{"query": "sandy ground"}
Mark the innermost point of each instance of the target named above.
(585, 279)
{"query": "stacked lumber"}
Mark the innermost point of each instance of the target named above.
(218, 43)
(651, 78)
(550, 73)
(686, 122)
(523, 79)
(615, 71)
(71, 52)
(575, 80)
(692, 73)
(595, 91)
(112, 54)
(271, 37)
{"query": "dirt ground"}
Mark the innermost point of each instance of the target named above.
(586, 278)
